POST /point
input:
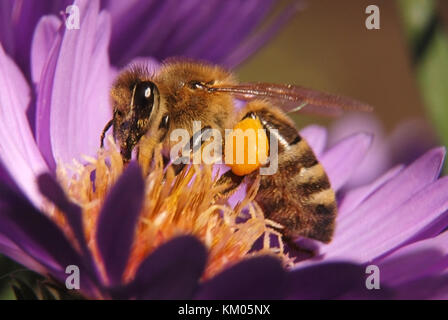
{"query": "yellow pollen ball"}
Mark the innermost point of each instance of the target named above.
(248, 138)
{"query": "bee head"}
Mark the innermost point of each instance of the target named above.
(133, 109)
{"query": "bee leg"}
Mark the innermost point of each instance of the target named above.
(149, 142)
(194, 145)
(297, 250)
(230, 183)
(145, 152)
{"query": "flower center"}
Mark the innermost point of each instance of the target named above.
(173, 205)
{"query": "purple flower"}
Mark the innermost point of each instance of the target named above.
(403, 145)
(159, 29)
(100, 217)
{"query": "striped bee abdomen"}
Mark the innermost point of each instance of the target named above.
(299, 194)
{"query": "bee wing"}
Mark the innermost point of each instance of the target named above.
(294, 98)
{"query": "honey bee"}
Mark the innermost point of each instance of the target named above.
(298, 196)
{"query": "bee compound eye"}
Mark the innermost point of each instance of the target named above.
(144, 95)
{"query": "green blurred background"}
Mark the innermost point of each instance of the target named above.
(326, 46)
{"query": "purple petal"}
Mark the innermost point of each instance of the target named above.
(6, 179)
(410, 180)
(43, 103)
(19, 19)
(16, 86)
(434, 228)
(355, 197)
(411, 139)
(79, 97)
(425, 208)
(212, 44)
(53, 192)
(399, 210)
(151, 21)
(18, 151)
(38, 236)
(435, 288)
(117, 221)
(341, 161)
(172, 271)
(331, 281)
(189, 28)
(415, 261)
(43, 40)
(254, 42)
(8, 248)
(378, 160)
(6, 34)
(316, 136)
(255, 278)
